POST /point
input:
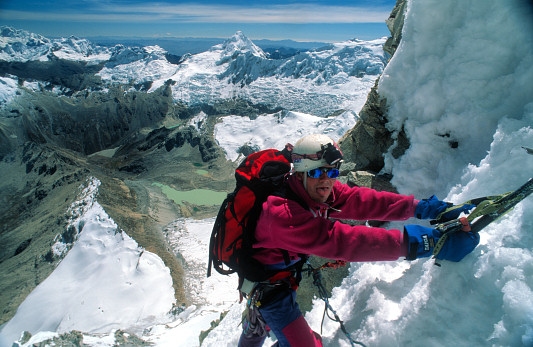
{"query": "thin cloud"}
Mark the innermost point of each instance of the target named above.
(74, 17)
(194, 13)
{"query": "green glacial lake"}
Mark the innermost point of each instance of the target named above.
(203, 197)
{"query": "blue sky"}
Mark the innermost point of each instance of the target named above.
(304, 20)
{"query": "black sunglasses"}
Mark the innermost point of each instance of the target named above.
(330, 171)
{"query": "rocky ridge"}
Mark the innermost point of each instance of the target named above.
(364, 145)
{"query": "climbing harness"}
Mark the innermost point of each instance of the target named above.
(323, 294)
(262, 293)
(252, 321)
(488, 209)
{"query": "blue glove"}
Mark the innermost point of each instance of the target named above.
(432, 208)
(422, 240)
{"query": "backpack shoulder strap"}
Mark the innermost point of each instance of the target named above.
(289, 194)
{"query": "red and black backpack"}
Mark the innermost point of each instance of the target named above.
(260, 175)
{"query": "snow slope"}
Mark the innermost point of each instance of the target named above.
(94, 286)
(136, 65)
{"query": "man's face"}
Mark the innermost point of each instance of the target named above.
(319, 188)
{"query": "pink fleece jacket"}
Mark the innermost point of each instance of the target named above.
(284, 224)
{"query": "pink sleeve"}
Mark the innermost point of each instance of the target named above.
(286, 225)
(361, 203)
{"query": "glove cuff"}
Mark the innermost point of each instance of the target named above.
(421, 241)
(413, 249)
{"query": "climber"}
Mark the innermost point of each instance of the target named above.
(288, 230)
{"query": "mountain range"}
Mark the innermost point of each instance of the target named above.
(134, 116)
(274, 49)
(237, 68)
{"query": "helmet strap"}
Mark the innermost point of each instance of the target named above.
(305, 181)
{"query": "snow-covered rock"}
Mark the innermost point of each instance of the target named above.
(136, 65)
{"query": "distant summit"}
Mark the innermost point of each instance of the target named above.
(238, 44)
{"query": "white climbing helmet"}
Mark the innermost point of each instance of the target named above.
(314, 151)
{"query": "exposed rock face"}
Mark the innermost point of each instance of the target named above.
(72, 75)
(91, 123)
(370, 180)
(134, 157)
(38, 184)
(369, 139)
(395, 25)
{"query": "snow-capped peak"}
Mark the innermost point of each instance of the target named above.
(124, 55)
(239, 43)
(74, 48)
(137, 64)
